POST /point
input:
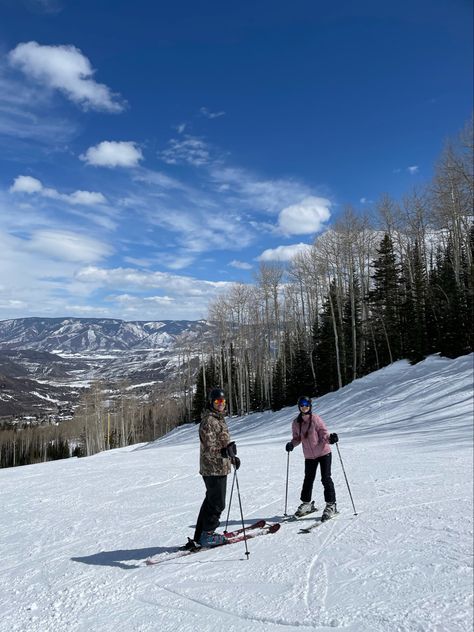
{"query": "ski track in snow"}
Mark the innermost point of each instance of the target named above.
(75, 534)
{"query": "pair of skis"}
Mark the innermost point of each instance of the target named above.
(252, 531)
(317, 522)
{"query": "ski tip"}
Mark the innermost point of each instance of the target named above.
(274, 527)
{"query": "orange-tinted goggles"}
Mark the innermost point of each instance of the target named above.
(219, 402)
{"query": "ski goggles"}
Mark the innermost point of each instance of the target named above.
(219, 402)
(304, 403)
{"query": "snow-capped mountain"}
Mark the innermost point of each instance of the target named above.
(38, 355)
(79, 335)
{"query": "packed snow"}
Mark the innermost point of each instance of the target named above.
(75, 534)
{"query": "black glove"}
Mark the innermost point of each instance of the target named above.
(289, 446)
(235, 462)
(229, 451)
(333, 438)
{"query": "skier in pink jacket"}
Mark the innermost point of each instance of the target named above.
(310, 430)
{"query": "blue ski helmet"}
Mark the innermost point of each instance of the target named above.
(304, 400)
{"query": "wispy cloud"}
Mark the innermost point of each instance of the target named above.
(240, 265)
(31, 186)
(22, 114)
(68, 246)
(413, 169)
(66, 69)
(113, 154)
(269, 196)
(191, 150)
(211, 115)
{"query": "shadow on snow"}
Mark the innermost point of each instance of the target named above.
(120, 557)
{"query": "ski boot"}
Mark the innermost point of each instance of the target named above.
(209, 539)
(329, 512)
(305, 508)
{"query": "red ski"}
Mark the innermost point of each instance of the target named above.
(252, 531)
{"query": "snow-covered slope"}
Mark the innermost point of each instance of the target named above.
(74, 534)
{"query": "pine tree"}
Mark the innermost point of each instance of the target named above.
(324, 356)
(384, 301)
(256, 396)
(450, 306)
(200, 396)
(414, 309)
(278, 386)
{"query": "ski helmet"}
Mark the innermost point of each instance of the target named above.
(304, 400)
(215, 393)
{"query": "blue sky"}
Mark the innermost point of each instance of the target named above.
(152, 153)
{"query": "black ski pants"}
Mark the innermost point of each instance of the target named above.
(310, 467)
(212, 506)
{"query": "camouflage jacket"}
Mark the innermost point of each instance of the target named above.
(214, 436)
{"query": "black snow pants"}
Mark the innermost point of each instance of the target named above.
(212, 506)
(310, 467)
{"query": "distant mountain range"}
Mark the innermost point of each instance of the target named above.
(48, 361)
(79, 335)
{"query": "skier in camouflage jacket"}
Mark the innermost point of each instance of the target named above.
(217, 454)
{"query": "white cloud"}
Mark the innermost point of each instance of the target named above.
(192, 150)
(283, 253)
(26, 184)
(413, 169)
(140, 280)
(113, 154)
(30, 186)
(66, 69)
(68, 246)
(87, 198)
(241, 265)
(306, 217)
(211, 115)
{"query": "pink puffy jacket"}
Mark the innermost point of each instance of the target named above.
(311, 431)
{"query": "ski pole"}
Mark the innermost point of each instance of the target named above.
(286, 490)
(347, 482)
(247, 553)
(230, 501)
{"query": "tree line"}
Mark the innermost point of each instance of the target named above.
(393, 283)
(102, 421)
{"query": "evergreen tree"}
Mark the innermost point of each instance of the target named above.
(256, 395)
(450, 306)
(384, 301)
(278, 386)
(352, 321)
(200, 395)
(324, 356)
(414, 309)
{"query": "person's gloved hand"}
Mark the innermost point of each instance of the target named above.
(235, 462)
(333, 438)
(289, 446)
(229, 451)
